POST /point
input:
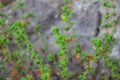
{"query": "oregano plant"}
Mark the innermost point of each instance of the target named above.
(22, 62)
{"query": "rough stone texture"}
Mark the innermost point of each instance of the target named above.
(47, 14)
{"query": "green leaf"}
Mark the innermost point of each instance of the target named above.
(113, 5)
(1, 5)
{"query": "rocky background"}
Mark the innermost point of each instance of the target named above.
(87, 15)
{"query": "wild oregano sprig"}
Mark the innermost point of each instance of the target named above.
(78, 49)
(110, 23)
(1, 5)
(4, 41)
(20, 4)
(82, 76)
(19, 32)
(104, 46)
(46, 72)
(2, 22)
(61, 41)
(108, 4)
(67, 13)
(2, 14)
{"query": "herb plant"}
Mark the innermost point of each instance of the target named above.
(23, 62)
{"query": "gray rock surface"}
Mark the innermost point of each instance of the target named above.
(87, 15)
